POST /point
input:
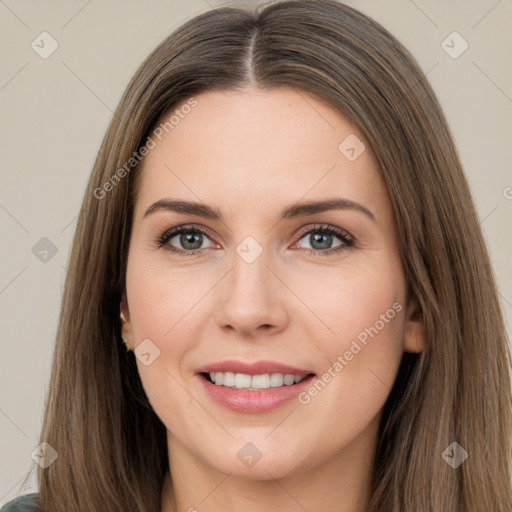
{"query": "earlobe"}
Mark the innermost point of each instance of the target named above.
(126, 329)
(124, 313)
(414, 334)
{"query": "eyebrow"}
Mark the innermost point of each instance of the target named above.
(289, 212)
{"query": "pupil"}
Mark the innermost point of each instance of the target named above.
(189, 237)
(318, 238)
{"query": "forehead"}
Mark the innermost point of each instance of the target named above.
(258, 148)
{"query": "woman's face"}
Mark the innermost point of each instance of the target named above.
(264, 293)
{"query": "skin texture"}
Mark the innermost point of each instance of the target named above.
(250, 154)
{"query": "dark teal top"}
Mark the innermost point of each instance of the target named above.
(26, 503)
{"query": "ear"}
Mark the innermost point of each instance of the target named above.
(414, 333)
(126, 326)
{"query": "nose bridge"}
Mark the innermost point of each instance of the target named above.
(250, 295)
(250, 275)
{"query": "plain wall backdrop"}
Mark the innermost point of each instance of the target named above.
(55, 110)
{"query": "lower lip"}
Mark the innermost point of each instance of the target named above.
(243, 400)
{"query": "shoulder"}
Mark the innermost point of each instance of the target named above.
(25, 503)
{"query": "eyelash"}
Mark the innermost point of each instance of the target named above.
(346, 239)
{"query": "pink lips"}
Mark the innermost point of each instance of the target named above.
(247, 401)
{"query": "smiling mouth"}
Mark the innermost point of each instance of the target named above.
(248, 382)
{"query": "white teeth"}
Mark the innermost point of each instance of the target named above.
(252, 382)
(260, 381)
(289, 379)
(276, 380)
(242, 380)
(229, 379)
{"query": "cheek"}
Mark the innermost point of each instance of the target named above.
(157, 305)
(365, 312)
(160, 305)
(162, 299)
(357, 297)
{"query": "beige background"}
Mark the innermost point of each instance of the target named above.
(54, 113)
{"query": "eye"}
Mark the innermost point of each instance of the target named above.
(321, 239)
(190, 238)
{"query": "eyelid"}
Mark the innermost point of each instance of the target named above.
(188, 227)
(324, 227)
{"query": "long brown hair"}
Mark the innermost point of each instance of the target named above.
(112, 450)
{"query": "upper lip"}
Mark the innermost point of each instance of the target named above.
(256, 368)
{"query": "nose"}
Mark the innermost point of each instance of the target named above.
(252, 299)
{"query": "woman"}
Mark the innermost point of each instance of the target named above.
(365, 371)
